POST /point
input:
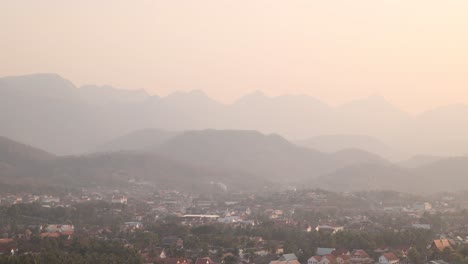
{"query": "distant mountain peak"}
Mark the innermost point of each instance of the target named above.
(192, 94)
(36, 80)
(255, 95)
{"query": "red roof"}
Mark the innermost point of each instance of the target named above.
(390, 256)
(360, 253)
(5, 240)
(330, 257)
(442, 244)
(54, 235)
(175, 261)
(340, 251)
(318, 258)
(206, 260)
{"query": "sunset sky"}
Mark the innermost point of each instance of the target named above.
(414, 53)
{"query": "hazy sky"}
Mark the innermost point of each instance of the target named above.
(413, 52)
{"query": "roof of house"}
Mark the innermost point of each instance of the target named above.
(67, 233)
(438, 262)
(441, 244)
(294, 261)
(318, 258)
(340, 251)
(330, 257)
(288, 257)
(176, 261)
(360, 253)
(206, 260)
(47, 234)
(5, 240)
(390, 256)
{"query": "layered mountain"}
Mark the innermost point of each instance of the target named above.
(242, 160)
(22, 164)
(139, 140)
(334, 143)
(50, 112)
(266, 156)
(447, 174)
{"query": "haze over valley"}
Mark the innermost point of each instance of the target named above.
(100, 134)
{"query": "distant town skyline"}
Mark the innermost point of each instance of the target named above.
(412, 53)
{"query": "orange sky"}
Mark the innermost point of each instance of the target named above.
(415, 53)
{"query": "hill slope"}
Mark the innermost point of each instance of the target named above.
(22, 164)
(267, 156)
(138, 140)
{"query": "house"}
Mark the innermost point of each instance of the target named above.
(51, 235)
(6, 241)
(176, 261)
(119, 199)
(343, 259)
(206, 260)
(328, 259)
(340, 252)
(389, 258)
(359, 256)
(314, 260)
(439, 245)
(438, 262)
(148, 258)
(56, 231)
(286, 259)
(329, 228)
(59, 228)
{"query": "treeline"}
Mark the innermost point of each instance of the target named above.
(81, 250)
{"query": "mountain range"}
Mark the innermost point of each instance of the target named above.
(240, 160)
(50, 112)
(101, 135)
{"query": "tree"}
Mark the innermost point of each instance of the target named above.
(414, 256)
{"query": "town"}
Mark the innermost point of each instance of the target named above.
(142, 224)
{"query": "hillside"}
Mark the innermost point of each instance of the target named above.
(334, 143)
(116, 169)
(22, 164)
(138, 140)
(370, 176)
(20, 160)
(50, 112)
(267, 156)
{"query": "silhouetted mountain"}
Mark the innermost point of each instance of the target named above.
(23, 164)
(15, 152)
(357, 156)
(292, 115)
(138, 140)
(244, 160)
(99, 95)
(334, 143)
(443, 175)
(116, 169)
(447, 174)
(267, 156)
(370, 176)
(49, 112)
(20, 160)
(440, 132)
(419, 161)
